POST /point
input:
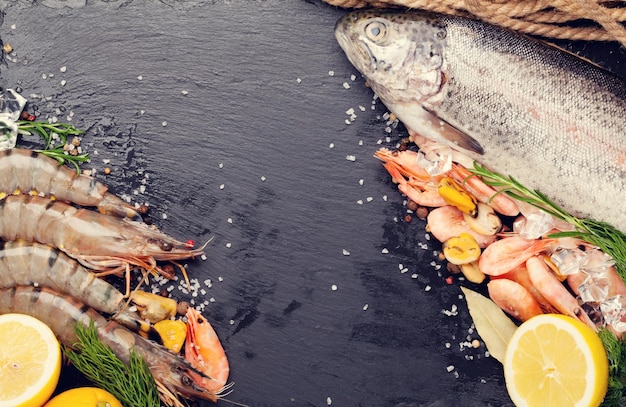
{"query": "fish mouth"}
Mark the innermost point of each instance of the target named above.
(353, 46)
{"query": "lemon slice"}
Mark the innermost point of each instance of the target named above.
(557, 361)
(30, 361)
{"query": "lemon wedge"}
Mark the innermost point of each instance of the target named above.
(30, 361)
(557, 361)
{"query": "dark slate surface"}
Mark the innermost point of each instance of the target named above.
(260, 101)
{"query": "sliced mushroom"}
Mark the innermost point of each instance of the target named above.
(487, 222)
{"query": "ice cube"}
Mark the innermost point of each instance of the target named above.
(436, 161)
(534, 225)
(567, 260)
(614, 311)
(596, 262)
(595, 288)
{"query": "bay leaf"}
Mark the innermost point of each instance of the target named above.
(492, 324)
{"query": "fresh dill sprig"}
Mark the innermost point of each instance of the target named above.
(132, 384)
(606, 237)
(616, 353)
(47, 131)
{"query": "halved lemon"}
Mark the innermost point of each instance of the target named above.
(557, 361)
(30, 361)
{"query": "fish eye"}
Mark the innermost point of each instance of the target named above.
(376, 31)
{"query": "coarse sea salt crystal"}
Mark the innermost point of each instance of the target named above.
(331, 145)
(331, 73)
(140, 77)
(298, 80)
(345, 252)
(350, 157)
(229, 220)
(346, 85)
(384, 251)
(263, 178)
(184, 92)
(228, 244)
(63, 82)
(360, 202)
(222, 186)
(329, 401)
(365, 307)
(333, 287)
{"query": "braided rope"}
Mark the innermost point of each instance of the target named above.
(546, 18)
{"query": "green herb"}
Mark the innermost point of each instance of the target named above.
(132, 384)
(606, 237)
(616, 353)
(47, 131)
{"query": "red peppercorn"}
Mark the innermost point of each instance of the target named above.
(449, 280)
(190, 244)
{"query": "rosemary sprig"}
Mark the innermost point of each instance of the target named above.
(132, 384)
(47, 131)
(616, 353)
(601, 234)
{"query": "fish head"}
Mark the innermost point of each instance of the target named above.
(400, 54)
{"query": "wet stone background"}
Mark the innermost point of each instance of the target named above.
(243, 121)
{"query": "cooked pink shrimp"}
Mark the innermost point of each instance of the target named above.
(513, 298)
(483, 192)
(448, 221)
(509, 253)
(554, 291)
(406, 160)
(423, 193)
(616, 284)
(204, 352)
(520, 276)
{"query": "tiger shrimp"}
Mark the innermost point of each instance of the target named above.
(26, 171)
(34, 264)
(174, 376)
(101, 242)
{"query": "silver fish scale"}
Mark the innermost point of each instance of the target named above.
(551, 120)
